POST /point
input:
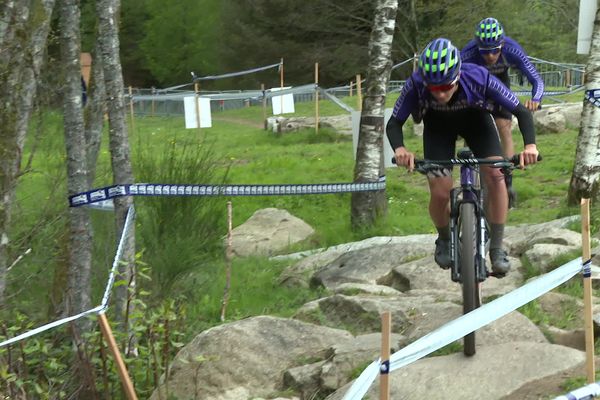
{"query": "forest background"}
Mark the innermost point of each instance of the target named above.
(161, 43)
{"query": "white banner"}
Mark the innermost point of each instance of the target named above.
(191, 116)
(283, 104)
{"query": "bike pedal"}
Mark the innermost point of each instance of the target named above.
(497, 275)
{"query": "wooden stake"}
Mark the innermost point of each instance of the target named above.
(197, 91)
(131, 109)
(264, 105)
(112, 346)
(351, 84)
(281, 86)
(587, 291)
(281, 74)
(317, 98)
(384, 374)
(359, 92)
(152, 104)
(228, 258)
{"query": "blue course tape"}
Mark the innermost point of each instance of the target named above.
(593, 96)
(152, 189)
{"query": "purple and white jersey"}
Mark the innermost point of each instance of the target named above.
(512, 56)
(477, 89)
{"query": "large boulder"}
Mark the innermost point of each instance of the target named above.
(267, 232)
(246, 358)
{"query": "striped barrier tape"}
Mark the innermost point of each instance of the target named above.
(593, 96)
(465, 324)
(96, 310)
(157, 189)
(585, 393)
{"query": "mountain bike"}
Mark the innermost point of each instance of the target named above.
(468, 227)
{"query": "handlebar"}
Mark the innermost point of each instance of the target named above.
(424, 166)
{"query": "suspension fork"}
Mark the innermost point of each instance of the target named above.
(454, 215)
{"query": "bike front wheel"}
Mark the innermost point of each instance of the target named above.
(468, 252)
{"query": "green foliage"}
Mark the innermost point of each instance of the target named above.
(180, 38)
(174, 242)
(43, 364)
(451, 348)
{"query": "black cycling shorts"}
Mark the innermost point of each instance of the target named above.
(441, 129)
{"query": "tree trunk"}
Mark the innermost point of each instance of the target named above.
(108, 11)
(367, 206)
(95, 110)
(78, 297)
(586, 170)
(24, 27)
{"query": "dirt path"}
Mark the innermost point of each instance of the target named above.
(240, 121)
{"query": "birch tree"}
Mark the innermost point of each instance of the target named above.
(24, 27)
(108, 40)
(586, 170)
(369, 166)
(80, 239)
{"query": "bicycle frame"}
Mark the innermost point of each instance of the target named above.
(468, 192)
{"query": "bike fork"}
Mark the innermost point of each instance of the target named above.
(454, 229)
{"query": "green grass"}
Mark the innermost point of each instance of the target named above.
(240, 152)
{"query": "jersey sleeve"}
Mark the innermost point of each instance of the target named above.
(407, 102)
(521, 61)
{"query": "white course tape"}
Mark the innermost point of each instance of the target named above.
(49, 326)
(468, 323)
(99, 309)
(111, 278)
(587, 392)
(362, 384)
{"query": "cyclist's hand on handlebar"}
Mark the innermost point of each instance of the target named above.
(532, 105)
(405, 157)
(529, 155)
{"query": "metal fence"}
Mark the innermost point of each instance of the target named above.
(153, 102)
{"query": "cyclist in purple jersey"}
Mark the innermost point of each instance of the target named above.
(455, 98)
(498, 53)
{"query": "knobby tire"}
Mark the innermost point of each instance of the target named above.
(470, 287)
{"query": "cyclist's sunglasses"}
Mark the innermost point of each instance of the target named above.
(442, 88)
(492, 50)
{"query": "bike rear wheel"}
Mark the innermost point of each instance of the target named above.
(468, 252)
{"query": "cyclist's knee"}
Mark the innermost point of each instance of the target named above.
(494, 177)
(440, 192)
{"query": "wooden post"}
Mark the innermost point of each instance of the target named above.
(415, 62)
(121, 368)
(384, 373)
(587, 290)
(264, 105)
(317, 98)
(197, 91)
(131, 109)
(281, 74)
(228, 258)
(281, 86)
(152, 104)
(359, 92)
(351, 84)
